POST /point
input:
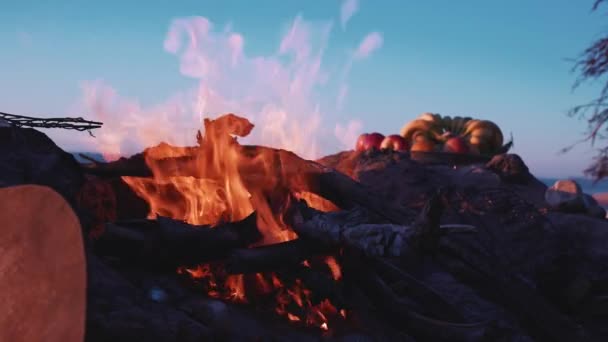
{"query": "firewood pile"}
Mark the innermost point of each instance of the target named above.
(380, 247)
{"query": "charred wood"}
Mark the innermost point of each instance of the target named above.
(350, 228)
(119, 311)
(169, 243)
(407, 314)
(539, 317)
(416, 289)
(273, 257)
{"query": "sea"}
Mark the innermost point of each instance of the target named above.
(587, 185)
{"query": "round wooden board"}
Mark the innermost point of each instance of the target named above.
(42, 267)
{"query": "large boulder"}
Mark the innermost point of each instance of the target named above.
(28, 156)
(567, 196)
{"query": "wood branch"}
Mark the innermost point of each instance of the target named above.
(78, 124)
(350, 228)
(273, 257)
(173, 243)
(426, 231)
(534, 312)
(406, 314)
(416, 289)
(422, 325)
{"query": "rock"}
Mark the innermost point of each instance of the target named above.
(593, 207)
(597, 212)
(510, 167)
(212, 312)
(566, 196)
(157, 294)
(589, 200)
(28, 156)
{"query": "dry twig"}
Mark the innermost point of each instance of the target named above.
(78, 124)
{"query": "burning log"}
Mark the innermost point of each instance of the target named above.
(321, 285)
(293, 172)
(273, 257)
(170, 243)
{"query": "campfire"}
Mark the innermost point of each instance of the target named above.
(231, 220)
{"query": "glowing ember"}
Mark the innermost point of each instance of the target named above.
(343, 313)
(292, 317)
(334, 267)
(199, 272)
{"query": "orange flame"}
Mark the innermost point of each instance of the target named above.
(206, 186)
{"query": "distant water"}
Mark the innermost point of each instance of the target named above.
(94, 155)
(585, 183)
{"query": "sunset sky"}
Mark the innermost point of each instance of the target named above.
(359, 66)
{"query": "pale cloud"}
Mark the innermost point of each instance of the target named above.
(372, 42)
(341, 96)
(236, 45)
(348, 9)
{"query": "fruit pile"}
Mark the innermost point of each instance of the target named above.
(436, 133)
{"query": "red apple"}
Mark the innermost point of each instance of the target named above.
(456, 145)
(361, 142)
(394, 142)
(375, 140)
(369, 141)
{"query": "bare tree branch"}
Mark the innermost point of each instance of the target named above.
(592, 65)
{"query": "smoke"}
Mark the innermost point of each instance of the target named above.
(348, 9)
(280, 93)
(348, 134)
(371, 42)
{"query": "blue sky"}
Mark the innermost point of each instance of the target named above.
(504, 61)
